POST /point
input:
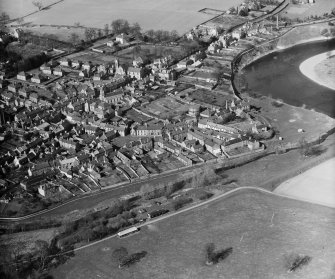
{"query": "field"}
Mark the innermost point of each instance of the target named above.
(166, 107)
(181, 15)
(20, 8)
(316, 184)
(302, 34)
(150, 52)
(263, 230)
(307, 10)
(288, 119)
(29, 238)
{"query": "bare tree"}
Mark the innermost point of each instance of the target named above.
(42, 249)
(38, 4)
(106, 30)
(74, 37)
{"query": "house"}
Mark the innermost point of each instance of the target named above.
(167, 74)
(122, 39)
(184, 63)
(58, 71)
(33, 181)
(65, 62)
(87, 66)
(213, 147)
(90, 129)
(13, 87)
(49, 189)
(22, 76)
(148, 131)
(83, 73)
(110, 43)
(23, 92)
(138, 62)
(137, 73)
(98, 76)
(7, 96)
(68, 163)
(46, 69)
(186, 161)
(111, 97)
(76, 64)
(68, 144)
(34, 98)
(38, 78)
(238, 34)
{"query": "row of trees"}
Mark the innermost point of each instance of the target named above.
(160, 36)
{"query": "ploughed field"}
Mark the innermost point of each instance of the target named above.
(181, 15)
(262, 229)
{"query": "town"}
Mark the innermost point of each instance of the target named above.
(124, 150)
(123, 109)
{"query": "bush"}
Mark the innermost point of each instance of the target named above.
(181, 202)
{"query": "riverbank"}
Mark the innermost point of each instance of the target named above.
(315, 185)
(320, 72)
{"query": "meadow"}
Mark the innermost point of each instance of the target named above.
(263, 231)
(181, 15)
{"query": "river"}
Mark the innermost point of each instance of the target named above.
(277, 75)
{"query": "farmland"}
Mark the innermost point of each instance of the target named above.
(181, 15)
(263, 230)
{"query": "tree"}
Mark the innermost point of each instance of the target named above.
(174, 35)
(90, 33)
(4, 17)
(38, 4)
(119, 254)
(42, 251)
(120, 26)
(210, 247)
(135, 29)
(74, 37)
(106, 30)
(20, 20)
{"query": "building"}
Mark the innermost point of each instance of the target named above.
(22, 76)
(137, 73)
(147, 131)
(58, 71)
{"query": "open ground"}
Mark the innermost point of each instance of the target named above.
(181, 15)
(263, 230)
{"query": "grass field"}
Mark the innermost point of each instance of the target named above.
(263, 230)
(181, 15)
(18, 8)
(166, 107)
(318, 8)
